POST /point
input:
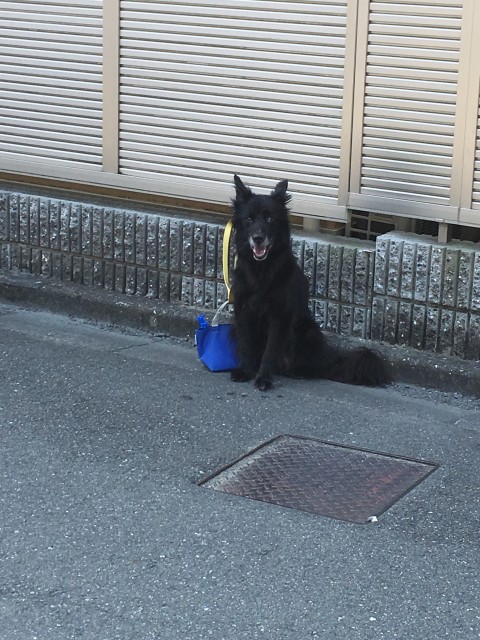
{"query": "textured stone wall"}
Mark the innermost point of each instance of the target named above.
(406, 289)
(427, 295)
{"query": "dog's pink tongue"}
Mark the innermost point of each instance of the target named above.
(259, 251)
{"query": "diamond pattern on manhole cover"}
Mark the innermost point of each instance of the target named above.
(321, 477)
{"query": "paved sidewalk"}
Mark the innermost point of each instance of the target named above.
(104, 534)
(137, 312)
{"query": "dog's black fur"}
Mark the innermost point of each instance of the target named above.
(275, 330)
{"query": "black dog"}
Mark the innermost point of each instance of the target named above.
(275, 330)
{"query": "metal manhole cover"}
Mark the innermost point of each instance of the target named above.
(320, 477)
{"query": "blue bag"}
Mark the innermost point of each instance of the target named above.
(216, 346)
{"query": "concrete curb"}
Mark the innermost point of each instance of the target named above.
(137, 312)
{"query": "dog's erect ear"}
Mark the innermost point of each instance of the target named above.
(243, 192)
(280, 191)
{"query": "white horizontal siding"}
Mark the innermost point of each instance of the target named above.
(476, 173)
(214, 88)
(51, 82)
(410, 99)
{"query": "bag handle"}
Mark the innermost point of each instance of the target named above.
(225, 261)
(219, 311)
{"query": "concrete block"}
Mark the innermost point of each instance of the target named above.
(34, 221)
(158, 242)
(99, 273)
(14, 217)
(97, 231)
(322, 270)
(175, 252)
(109, 276)
(44, 223)
(36, 261)
(309, 259)
(199, 254)
(86, 222)
(25, 258)
(394, 267)
(390, 320)
(211, 248)
(320, 313)
(152, 283)
(24, 218)
(432, 328)
(108, 234)
(445, 336)
(407, 271)
(119, 236)
(404, 322)
(64, 228)
(362, 277)
(74, 227)
(460, 326)
(15, 257)
(130, 279)
(475, 300)
(422, 270)
(381, 270)
(435, 283)
(129, 244)
(473, 337)
(3, 217)
(142, 282)
(46, 263)
(119, 277)
(450, 277)
(140, 239)
(334, 272)
(361, 322)
(333, 317)
(163, 286)
(77, 269)
(378, 318)
(67, 267)
(347, 274)
(186, 260)
(346, 320)
(417, 339)
(210, 294)
(87, 277)
(175, 287)
(198, 292)
(465, 279)
(186, 295)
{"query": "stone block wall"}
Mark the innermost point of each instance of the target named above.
(405, 289)
(427, 295)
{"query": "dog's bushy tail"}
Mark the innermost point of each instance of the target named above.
(362, 367)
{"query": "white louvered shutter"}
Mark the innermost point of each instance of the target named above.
(50, 82)
(410, 104)
(476, 174)
(214, 87)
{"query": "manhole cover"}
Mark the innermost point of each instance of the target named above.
(320, 477)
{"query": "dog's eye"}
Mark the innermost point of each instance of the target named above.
(249, 219)
(268, 219)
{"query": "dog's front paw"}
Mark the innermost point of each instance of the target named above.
(239, 375)
(263, 383)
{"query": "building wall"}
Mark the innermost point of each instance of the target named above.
(362, 104)
(403, 289)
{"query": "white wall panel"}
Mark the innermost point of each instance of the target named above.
(208, 89)
(51, 82)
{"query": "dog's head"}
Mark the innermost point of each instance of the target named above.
(260, 221)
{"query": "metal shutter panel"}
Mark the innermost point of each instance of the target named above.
(410, 100)
(476, 173)
(240, 86)
(51, 82)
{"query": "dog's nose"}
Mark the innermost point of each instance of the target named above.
(258, 238)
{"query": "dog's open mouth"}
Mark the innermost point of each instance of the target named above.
(260, 250)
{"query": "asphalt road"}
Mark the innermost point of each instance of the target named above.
(105, 535)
